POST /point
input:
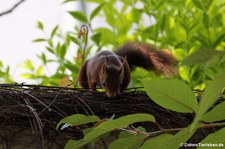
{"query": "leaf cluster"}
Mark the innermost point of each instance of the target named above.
(5, 73)
(193, 30)
(174, 95)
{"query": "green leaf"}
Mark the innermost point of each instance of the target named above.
(58, 48)
(29, 65)
(96, 38)
(157, 142)
(63, 50)
(212, 92)
(136, 14)
(66, 1)
(216, 138)
(39, 40)
(179, 139)
(200, 57)
(54, 31)
(27, 75)
(110, 125)
(39, 71)
(43, 58)
(162, 22)
(172, 94)
(220, 39)
(216, 114)
(96, 1)
(96, 11)
(7, 70)
(168, 141)
(1, 64)
(67, 40)
(107, 36)
(71, 66)
(70, 144)
(75, 40)
(50, 43)
(203, 40)
(78, 119)
(130, 142)
(198, 4)
(79, 16)
(50, 50)
(206, 20)
(40, 25)
(159, 4)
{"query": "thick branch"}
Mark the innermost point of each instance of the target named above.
(40, 108)
(12, 9)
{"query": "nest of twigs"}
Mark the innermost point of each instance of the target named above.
(29, 113)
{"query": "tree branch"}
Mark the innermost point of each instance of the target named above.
(134, 131)
(13, 8)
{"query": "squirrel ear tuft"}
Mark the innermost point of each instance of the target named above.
(123, 63)
(104, 67)
(105, 60)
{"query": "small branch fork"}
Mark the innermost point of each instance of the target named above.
(12, 9)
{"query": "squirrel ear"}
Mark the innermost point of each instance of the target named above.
(104, 69)
(123, 63)
(105, 61)
(105, 65)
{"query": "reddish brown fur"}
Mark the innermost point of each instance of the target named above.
(107, 70)
(148, 57)
(111, 70)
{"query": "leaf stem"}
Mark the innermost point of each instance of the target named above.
(148, 134)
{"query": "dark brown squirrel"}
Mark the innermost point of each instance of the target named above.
(111, 70)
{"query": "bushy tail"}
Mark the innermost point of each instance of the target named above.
(148, 57)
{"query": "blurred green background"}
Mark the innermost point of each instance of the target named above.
(194, 31)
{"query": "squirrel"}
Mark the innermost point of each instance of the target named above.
(111, 70)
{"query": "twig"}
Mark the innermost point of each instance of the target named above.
(83, 33)
(80, 99)
(48, 107)
(37, 99)
(84, 30)
(38, 121)
(104, 144)
(213, 125)
(11, 9)
(133, 131)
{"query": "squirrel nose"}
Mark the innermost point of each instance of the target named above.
(111, 95)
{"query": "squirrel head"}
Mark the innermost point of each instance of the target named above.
(112, 77)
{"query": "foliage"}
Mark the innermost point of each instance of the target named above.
(179, 96)
(137, 138)
(194, 30)
(57, 46)
(5, 73)
(108, 126)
